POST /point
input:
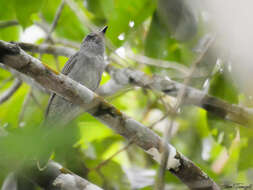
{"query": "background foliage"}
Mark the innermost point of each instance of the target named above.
(134, 26)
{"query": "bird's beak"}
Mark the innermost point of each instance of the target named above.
(103, 30)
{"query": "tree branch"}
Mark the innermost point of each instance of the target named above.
(8, 93)
(6, 81)
(123, 77)
(56, 19)
(24, 78)
(81, 16)
(4, 24)
(158, 63)
(46, 48)
(54, 177)
(179, 165)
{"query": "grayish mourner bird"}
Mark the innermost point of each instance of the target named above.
(86, 67)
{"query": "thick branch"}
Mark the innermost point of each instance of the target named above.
(124, 77)
(8, 93)
(180, 166)
(24, 78)
(53, 177)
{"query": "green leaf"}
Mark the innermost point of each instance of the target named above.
(95, 7)
(222, 86)
(25, 8)
(159, 44)
(7, 10)
(92, 130)
(10, 33)
(119, 13)
(246, 156)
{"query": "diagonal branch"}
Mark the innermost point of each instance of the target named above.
(81, 16)
(8, 93)
(24, 78)
(56, 19)
(179, 165)
(54, 177)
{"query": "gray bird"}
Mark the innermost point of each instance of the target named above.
(86, 67)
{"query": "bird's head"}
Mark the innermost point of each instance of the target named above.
(94, 42)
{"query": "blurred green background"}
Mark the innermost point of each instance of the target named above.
(163, 30)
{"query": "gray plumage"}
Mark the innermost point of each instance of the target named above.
(86, 67)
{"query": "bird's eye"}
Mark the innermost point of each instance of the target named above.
(91, 36)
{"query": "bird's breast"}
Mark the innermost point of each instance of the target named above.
(88, 71)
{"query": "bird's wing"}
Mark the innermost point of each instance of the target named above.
(66, 69)
(70, 64)
(49, 103)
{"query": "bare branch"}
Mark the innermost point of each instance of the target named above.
(158, 63)
(123, 77)
(112, 156)
(179, 165)
(8, 93)
(56, 19)
(6, 81)
(81, 16)
(24, 78)
(66, 42)
(24, 106)
(43, 25)
(4, 24)
(54, 177)
(46, 48)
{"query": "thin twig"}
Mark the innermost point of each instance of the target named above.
(50, 31)
(159, 120)
(8, 93)
(43, 25)
(56, 19)
(36, 100)
(25, 103)
(168, 108)
(6, 81)
(112, 156)
(159, 184)
(57, 64)
(4, 24)
(81, 16)
(67, 42)
(23, 109)
(46, 48)
(158, 63)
